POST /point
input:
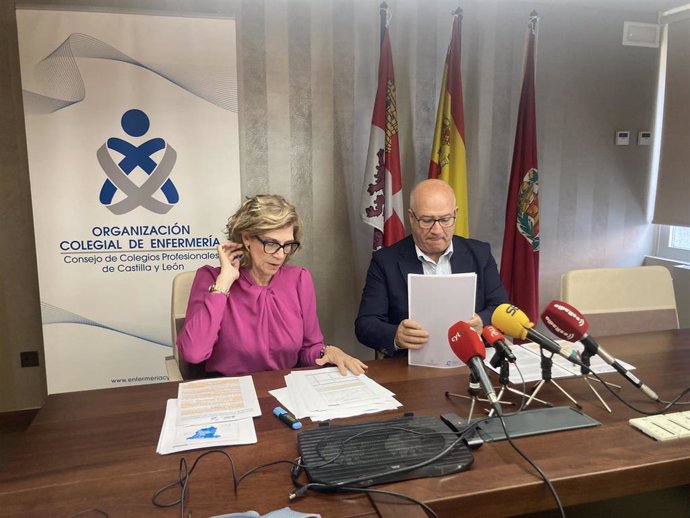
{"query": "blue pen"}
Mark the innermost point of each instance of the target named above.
(287, 418)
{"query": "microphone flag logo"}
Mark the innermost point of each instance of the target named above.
(135, 123)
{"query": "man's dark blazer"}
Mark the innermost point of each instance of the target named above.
(384, 298)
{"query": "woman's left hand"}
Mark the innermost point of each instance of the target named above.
(342, 360)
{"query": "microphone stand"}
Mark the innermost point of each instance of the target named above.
(474, 391)
(585, 357)
(500, 361)
(546, 365)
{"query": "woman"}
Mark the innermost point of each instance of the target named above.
(254, 312)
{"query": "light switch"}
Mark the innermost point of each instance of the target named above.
(622, 138)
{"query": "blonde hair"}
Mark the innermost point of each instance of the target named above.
(259, 214)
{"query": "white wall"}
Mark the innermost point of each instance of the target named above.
(307, 72)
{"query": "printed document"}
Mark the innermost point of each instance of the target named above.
(322, 394)
(217, 399)
(437, 302)
(528, 360)
(208, 413)
(176, 437)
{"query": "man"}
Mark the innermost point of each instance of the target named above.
(382, 322)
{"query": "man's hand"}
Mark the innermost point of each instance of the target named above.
(476, 323)
(410, 335)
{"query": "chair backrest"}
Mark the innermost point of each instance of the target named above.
(181, 286)
(622, 300)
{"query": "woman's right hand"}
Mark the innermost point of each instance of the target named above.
(229, 255)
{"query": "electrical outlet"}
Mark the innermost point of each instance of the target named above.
(29, 358)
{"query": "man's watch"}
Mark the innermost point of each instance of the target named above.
(213, 288)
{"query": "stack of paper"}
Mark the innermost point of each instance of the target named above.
(209, 413)
(323, 394)
(529, 361)
(457, 291)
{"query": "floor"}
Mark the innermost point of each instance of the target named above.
(12, 428)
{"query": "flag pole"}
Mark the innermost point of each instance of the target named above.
(383, 12)
(382, 206)
(521, 239)
(448, 159)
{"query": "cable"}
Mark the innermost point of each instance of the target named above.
(183, 480)
(668, 405)
(326, 488)
(345, 486)
(543, 476)
(523, 397)
(424, 506)
(518, 450)
(389, 472)
(185, 475)
(534, 465)
(676, 403)
(257, 468)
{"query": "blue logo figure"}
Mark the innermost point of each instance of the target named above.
(136, 123)
(205, 433)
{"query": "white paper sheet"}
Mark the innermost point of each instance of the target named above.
(209, 413)
(322, 394)
(437, 302)
(217, 399)
(528, 359)
(283, 397)
(176, 437)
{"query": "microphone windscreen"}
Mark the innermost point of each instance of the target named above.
(464, 342)
(511, 321)
(492, 335)
(565, 321)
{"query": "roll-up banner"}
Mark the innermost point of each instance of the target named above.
(132, 135)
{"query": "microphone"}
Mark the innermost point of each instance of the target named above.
(513, 322)
(467, 346)
(496, 340)
(567, 322)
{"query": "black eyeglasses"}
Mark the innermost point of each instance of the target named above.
(428, 223)
(272, 247)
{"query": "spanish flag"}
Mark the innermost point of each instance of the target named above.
(448, 152)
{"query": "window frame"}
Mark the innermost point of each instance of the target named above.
(665, 250)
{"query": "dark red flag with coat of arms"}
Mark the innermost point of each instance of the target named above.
(520, 255)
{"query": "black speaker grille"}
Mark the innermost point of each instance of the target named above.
(361, 455)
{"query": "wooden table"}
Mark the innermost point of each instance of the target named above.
(96, 449)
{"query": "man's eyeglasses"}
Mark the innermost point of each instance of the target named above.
(272, 247)
(427, 223)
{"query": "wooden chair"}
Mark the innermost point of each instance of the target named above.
(622, 300)
(177, 368)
